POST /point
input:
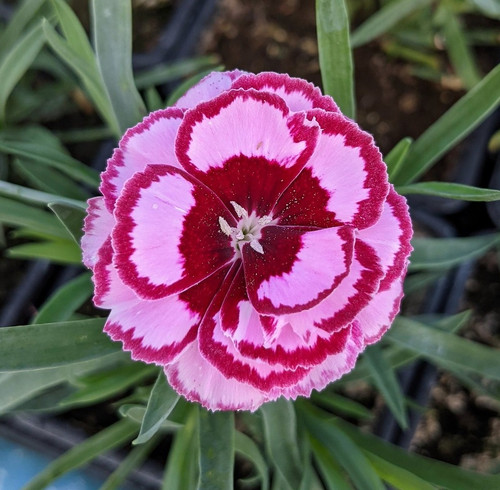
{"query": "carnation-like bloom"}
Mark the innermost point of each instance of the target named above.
(247, 240)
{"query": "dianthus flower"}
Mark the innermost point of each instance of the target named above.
(247, 240)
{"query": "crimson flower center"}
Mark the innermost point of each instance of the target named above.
(247, 230)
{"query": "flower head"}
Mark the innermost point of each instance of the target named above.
(248, 241)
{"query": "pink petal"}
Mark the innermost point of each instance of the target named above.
(151, 141)
(245, 146)
(390, 237)
(331, 369)
(209, 87)
(97, 226)
(218, 349)
(345, 180)
(298, 94)
(376, 318)
(342, 305)
(298, 269)
(197, 380)
(167, 237)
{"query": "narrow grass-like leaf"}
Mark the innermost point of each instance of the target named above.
(114, 436)
(441, 474)
(19, 214)
(386, 18)
(163, 73)
(71, 217)
(106, 384)
(53, 158)
(335, 57)
(66, 300)
(35, 197)
(396, 476)
(450, 128)
(136, 413)
(187, 84)
(133, 460)
(25, 13)
(441, 346)
(60, 252)
(153, 99)
(49, 180)
(461, 56)
(281, 439)
(396, 157)
(333, 475)
(88, 73)
(216, 453)
(181, 470)
(248, 449)
(17, 62)
(385, 381)
(348, 454)
(342, 405)
(112, 30)
(160, 404)
(451, 190)
(443, 253)
(420, 280)
(53, 344)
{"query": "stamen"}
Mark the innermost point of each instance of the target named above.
(257, 246)
(264, 220)
(224, 226)
(240, 211)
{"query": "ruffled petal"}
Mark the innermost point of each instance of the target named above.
(298, 94)
(151, 141)
(345, 180)
(298, 267)
(167, 237)
(390, 237)
(198, 380)
(375, 319)
(97, 227)
(246, 147)
(208, 87)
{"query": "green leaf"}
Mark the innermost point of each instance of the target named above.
(60, 252)
(35, 197)
(385, 19)
(459, 52)
(335, 57)
(112, 30)
(450, 128)
(247, 448)
(430, 470)
(333, 475)
(53, 158)
(451, 191)
(216, 453)
(396, 157)
(182, 471)
(25, 13)
(347, 453)
(162, 401)
(420, 280)
(106, 384)
(281, 439)
(114, 436)
(442, 347)
(385, 381)
(49, 180)
(71, 217)
(17, 62)
(18, 214)
(490, 8)
(86, 70)
(134, 459)
(66, 300)
(53, 344)
(342, 405)
(443, 253)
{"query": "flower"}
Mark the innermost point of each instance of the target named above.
(248, 241)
